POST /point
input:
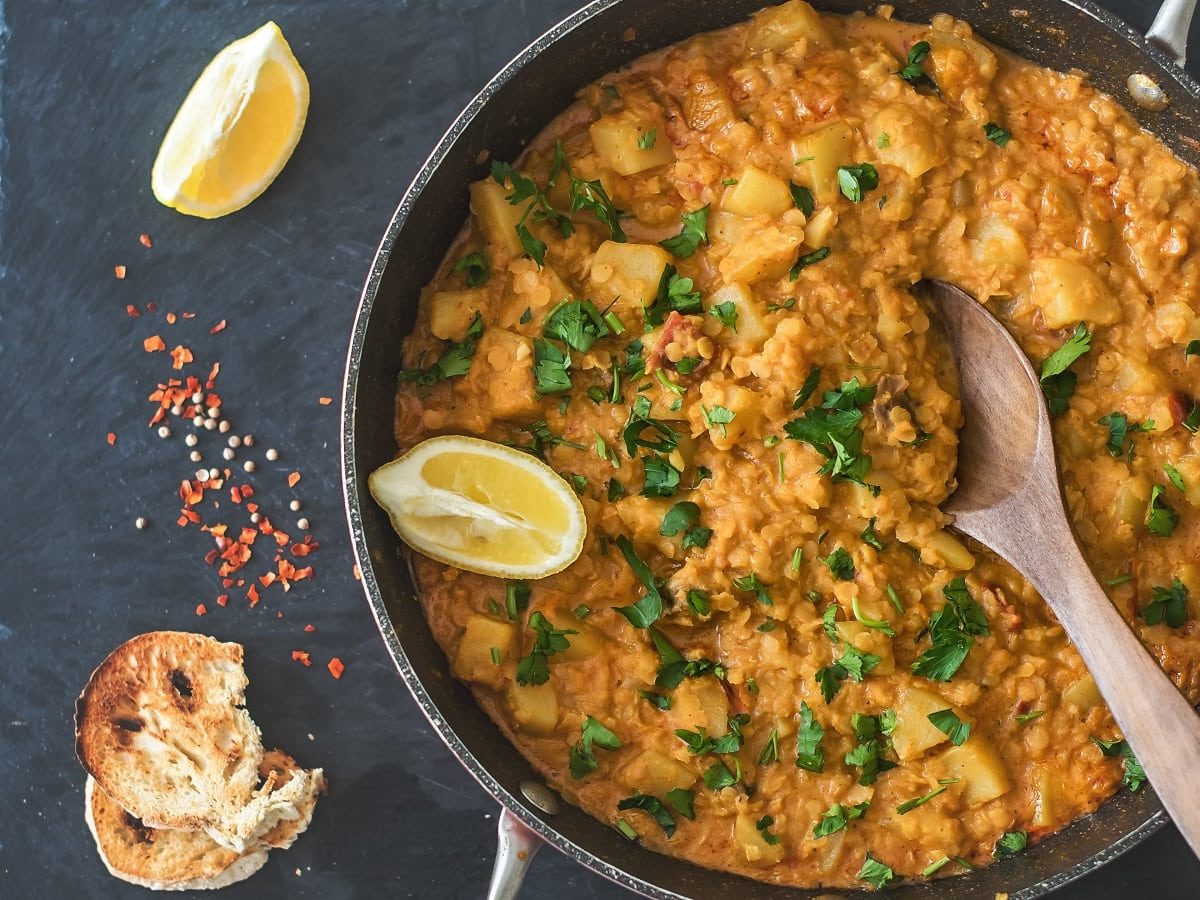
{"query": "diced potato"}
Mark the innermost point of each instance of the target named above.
(726, 228)
(914, 732)
(959, 63)
(1134, 376)
(1083, 694)
(652, 772)
(765, 256)
(642, 516)
(757, 193)
(534, 707)
(752, 329)
(627, 273)
(1129, 504)
(742, 402)
(503, 369)
(1058, 211)
(822, 151)
(994, 242)
(1177, 321)
(818, 229)
(497, 217)
(1047, 799)
(943, 547)
(870, 640)
(706, 102)
(616, 138)
(451, 312)
(829, 856)
(473, 661)
(977, 764)
(753, 844)
(1189, 471)
(587, 644)
(779, 27)
(903, 138)
(701, 703)
(1069, 292)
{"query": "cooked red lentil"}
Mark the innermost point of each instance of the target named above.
(811, 680)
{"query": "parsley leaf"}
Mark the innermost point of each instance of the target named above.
(693, 234)
(1174, 477)
(997, 135)
(646, 141)
(516, 599)
(806, 390)
(683, 800)
(1026, 718)
(699, 742)
(675, 293)
(808, 259)
(577, 323)
(718, 776)
(648, 609)
(1010, 844)
(912, 71)
(853, 664)
(770, 751)
(582, 759)
(635, 428)
(854, 181)
(802, 197)
(809, 754)
(1167, 605)
(675, 668)
(841, 566)
(1058, 384)
(873, 871)
(909, 805)
(454, 361)
(1161, 517)
(951, 631)
(657, 700)
(1135, 775)
(698, 603)
(654, 808)
(474, 267)
(1192, 349)
(718, 415)
(1119, 428)
(838, 817)
(550, 367)
(870, 538)
(751, 583)
(764, 828)
(662, 478)
(726, 313)
(685, 516)
(548, 640)
(945, 721)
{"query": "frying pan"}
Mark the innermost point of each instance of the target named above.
(510, 110)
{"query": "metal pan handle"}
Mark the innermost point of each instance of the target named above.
(515, 848)
(1169, 31)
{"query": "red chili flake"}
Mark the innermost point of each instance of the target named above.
(119, 271)
(265, 526)
(220, 326)
(201, 609)
(131, 311)
(248, 491)
(151, 306)
(302, 549)
(267, 580)
(180, 357)
(191, 516)
(222, 599)
(357, 573)
(324, 401)
(154, 344)
(235, 494)
(145, 240)
(170, 318)
(293, 479)
(189, 315)
(112, 438)
(252, 595)
(248, 536)
(212, 375)
(279, 613)
(227, 583)
(302, 656)
(210, 557)
(336, 668)
(310, 627)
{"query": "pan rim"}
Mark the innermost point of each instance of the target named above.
(352, 481)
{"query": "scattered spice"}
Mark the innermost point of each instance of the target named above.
(324, 401)
(131, 311)
(144, 240)
(302, 656)
(293, 479)
(220, 326)
(119, 271)
(154, 344)
(201, 609)
(310, 627)
(180, 357)
(336, 668)
(112, 438)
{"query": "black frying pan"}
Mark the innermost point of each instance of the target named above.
(511, 109)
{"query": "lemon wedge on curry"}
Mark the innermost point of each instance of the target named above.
(482, 507)
(235, 130)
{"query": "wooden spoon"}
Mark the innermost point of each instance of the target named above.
(1008, 498)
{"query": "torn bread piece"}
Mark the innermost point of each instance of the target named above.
(162, 728)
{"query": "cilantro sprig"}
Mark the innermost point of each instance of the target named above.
(582, 758)
(952, 632)
(454, 361)
(548, 640)
(693, 234)
(1057, 380)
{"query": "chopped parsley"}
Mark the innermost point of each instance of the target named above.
(935, 866)
(1135, 775)
(997, 135)
(516, 599)
(1174, 477)
(577, 323)
(698, 603)
(807, 259)
(538, 210)
(853, 664)
(867, 754)
(1010, 844)
(726, 313)
(688, 365)
(718, 776)
(675, 668)
(855, 181)
(911, 71)
(1167, 605)
(751, 583)
(802, 197)
(659, 701)
(840, 565)
(589, 195)
(1161, 517)
(1119, 429)
(474, 267)
(809, 753)
(685, 517)
(683, 801)
(1192, 349)
(548, 640)
(764, 828)
(693, 234)
(542, 437)
(833, 431)
(646, 141)
(806, 390)
(884, 141)
(1026, 718)
(454, 361)
(654, 808)
(770, 751)
(909, 805)
(582, 611)
(870, 538)
(616, 490)
(878, 624)
(838, 817)
(718, 416)
(664, 439)
(699, 742)
(662, 478)
(675, 293)
(952, 631)
(648, 609)
(550, 367)
(949, 724)
(582, 759)
(1058, 382)
(873, 871)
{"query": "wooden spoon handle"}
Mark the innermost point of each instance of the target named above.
(1158, 722)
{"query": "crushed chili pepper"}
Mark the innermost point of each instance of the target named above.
(144, 239)
(302, 656)
(131, 311)
(201, 609)
(336, 668)
(220, 326)
(119, 271)
(310, 627)
(293, 479)
(154, 344)
(180, 357)
(324, 401)
(170, 318)
(112, 438)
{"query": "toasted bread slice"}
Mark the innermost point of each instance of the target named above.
(162, 729)
(162, 859)
(290, 821)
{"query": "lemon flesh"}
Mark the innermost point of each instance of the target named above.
(482, 507)
(236, 129)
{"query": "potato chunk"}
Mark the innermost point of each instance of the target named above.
(764, 256)
(823, 150)
(904, 138)
(779, 27)
(752, 329)
(473, 661)
(701, 703)
(586, 643)
(497, 217)
(627, 273)
(1083, 694)
(753, 844)
(1069, 292)
(1189, 470)
(977, 764)
(914, 732)
(534, 706)
(502, 368)
(451, 312)
(616, 138)
(1047, 799)
(652, 772)
(757, 193)
(870, 640)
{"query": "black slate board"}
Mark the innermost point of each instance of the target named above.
(86, 89)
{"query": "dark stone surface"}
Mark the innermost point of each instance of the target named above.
(87, 89)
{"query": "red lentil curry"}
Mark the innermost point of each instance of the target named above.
(693, 297)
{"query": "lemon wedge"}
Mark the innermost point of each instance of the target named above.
(235, 130)
(482, 507)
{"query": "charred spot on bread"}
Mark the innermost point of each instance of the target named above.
(181, 683)
(143, 834)
(126, 723)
